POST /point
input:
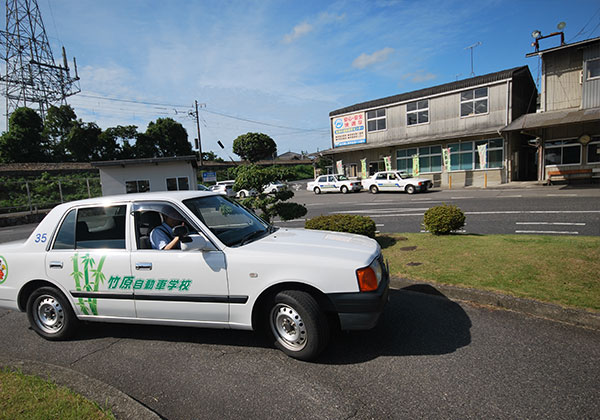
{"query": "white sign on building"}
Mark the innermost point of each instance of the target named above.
(349, 129)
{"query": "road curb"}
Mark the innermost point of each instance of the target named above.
(531, 307)
(120, 404)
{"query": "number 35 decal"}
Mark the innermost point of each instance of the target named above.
(41, 237)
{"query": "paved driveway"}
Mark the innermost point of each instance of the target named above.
(429, 358)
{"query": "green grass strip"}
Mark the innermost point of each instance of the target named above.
(562, 270)
(31, 398)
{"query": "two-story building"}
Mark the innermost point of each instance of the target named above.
(448, 133)
(566, 130)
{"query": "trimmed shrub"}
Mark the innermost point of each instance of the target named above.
(441, 220)
(350, 223)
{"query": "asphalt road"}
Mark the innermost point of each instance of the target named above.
(428, 358)
(552, 210)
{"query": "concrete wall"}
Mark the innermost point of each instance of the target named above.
(113, 178)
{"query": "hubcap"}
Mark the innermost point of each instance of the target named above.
(49, 314)
(288, 327)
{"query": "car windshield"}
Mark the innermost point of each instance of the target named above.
(228, 220)
(342, 178)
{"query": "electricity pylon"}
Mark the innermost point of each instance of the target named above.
(31, 77)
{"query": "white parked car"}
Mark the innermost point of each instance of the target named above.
(333, 183)
(396, 181)
(274, 187)
(224, 188)
(92, 260)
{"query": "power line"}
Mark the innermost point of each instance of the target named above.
(585, 26)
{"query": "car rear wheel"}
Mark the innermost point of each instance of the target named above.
(344, 189)
(242, 194)
(374, 189)
(409, 189)
(297, 325)
(317, 190)
(50, 314)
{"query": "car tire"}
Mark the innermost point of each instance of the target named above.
(409, 189)
(344, 189)
(297, 325)
(373, 189)
(242, 194)
(50, 314)
(317, 190)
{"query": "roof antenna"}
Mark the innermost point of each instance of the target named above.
(470, 47)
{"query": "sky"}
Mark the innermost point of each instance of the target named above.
(280, 66)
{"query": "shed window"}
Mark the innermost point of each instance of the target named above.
(417, 112)
(376, 120)
(178, 184)
(592, 69)
(137, 186)
(562, 152)
(593, 150)
(474, 102)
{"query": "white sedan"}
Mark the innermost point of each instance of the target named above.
(333, 183)
(93, 260)
(396, 181)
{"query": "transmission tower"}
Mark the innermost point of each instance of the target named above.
(31, 77)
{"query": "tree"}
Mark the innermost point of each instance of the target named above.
(169, 137)
(82, 143)
(23, 142)
(254, 147)
(58, 123)
(211, 156)
(118, 138)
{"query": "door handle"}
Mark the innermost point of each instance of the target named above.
(143, 266)
(56, 264)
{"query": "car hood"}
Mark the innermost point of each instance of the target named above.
(317, 245)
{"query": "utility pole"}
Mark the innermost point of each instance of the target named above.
(32, 77)
(471, 47)
(196, 115)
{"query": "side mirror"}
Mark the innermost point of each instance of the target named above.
(181, 231)
(196, 242)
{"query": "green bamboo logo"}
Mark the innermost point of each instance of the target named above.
(88, 280)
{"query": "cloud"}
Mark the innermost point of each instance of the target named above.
(298, 31)
(419, 76)
(365, 60)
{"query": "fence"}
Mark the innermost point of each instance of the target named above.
(31, 196)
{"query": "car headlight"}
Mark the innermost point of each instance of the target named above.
(369, 277)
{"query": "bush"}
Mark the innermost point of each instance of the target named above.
(441, 220)
(361, 225)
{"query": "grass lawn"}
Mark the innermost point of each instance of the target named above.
(29, 397)
(561, 270)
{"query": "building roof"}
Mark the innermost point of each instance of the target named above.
(554, 119)
(430, 91)
(146, 161)
(562, 47)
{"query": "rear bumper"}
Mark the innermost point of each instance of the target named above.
(361, 311)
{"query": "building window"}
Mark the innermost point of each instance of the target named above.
(178, 184)
(592, 69)
(430, 159)
(376, 120)
(495, 153)
(474, 102)
(593, 150)
(137, 186)
(562, 152)
(404, 160)
(417, 112)
(461, 156)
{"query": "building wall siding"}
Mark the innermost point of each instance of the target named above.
(562, 75)
(591, 88)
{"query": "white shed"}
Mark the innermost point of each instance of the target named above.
(144, 175)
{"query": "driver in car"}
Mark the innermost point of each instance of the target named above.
(162, 236)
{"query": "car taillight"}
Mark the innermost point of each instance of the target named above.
(420, 183)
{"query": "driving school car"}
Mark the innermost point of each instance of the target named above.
(333, 183)
(92, 260)
(396, 181)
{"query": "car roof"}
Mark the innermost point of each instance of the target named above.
(148, 196)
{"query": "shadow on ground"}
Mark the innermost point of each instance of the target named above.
(425, 323)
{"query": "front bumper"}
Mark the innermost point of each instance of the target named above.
(361, 310)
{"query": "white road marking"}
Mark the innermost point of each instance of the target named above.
(380, 210)
(561, 195)
(551, 223)
(460, 198)
(547, 231)
(379, 225)
(535, 212)
(510, 196)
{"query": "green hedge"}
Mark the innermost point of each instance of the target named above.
(441, 220)
(361, 225)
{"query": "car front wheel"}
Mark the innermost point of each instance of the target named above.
(242, 194)
(409, 189)
(50, 314)
(317, 190)
(374, 189)
(344, 189)
(297, 325)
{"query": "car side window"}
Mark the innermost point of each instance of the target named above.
(65, 238)
(100, 227)
(331, 179)
(322, 179)
(381, 176)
